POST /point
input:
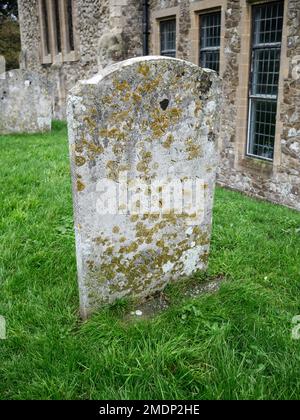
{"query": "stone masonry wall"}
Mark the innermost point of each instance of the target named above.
(290, 109)
(278, 182)
(231, 72)
(94, 19)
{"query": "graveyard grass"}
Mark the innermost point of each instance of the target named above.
(235, 344)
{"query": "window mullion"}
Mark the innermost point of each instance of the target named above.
(45, 37)
(63, 28)
(52, 29)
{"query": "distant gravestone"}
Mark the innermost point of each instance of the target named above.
(143, 142)
(2, 67)
(25, 103)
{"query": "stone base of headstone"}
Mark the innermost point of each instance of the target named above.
(143, 142)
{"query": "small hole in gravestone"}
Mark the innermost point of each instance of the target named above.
(211, 137)
(164, 104)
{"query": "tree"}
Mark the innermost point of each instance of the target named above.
(10, 43)
(9, 33)
(9, 9)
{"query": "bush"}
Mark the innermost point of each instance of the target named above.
(10, 44)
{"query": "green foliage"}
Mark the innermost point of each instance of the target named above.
(10, 44)
(9, 8)
(235, 344)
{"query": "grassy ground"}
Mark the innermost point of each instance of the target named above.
(232, 345)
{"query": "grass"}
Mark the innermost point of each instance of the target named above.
(235, 344)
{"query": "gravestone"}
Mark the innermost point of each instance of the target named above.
(25, 103)
(2, 67)
(143, 143)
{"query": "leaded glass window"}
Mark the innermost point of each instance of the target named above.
(265, 69)
(168, 38)
(210, 40)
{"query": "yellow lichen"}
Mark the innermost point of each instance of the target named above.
(116, 229)
(112, 133)
(130, 248)
(170, 139)
(113, 170)
(79, 148)
(80, 160)
(193, 150)
(150, 86)
(136, 97)
(162, 120)
(121, 86)
(143, 165)
(144, 69)
(119, 116)
(80, 185)
(90, 122)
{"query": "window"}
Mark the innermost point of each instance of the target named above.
(168, 38)
(210, 40)
(57, 30)
(265, 69)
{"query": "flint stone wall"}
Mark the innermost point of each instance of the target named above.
(277, 182)
(25, 103)
(111, 30)
(107, 31)
(151, 118)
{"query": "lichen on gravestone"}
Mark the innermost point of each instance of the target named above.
(143, 144)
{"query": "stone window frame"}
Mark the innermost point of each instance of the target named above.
(53, 56)
(197, 9)
(256, 165)
(156, 18)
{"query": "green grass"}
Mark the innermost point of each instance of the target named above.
(235, 344)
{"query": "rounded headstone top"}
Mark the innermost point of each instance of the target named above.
(29, 78)
(143, 65)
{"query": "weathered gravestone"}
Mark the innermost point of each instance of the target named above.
(2, 67)
(25, 103)
(143, 143)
